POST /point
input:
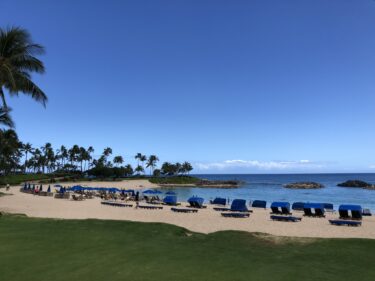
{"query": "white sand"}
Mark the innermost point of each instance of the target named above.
(205, 221)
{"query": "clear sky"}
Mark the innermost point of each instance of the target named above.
(255, 86)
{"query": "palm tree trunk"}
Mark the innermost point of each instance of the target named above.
(25, 161)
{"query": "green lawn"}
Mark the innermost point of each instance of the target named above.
(44, 249)
(18, 179)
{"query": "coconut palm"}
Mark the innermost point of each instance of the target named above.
(139, 169)
(5, 118)
(17, 62)
(138, 157)
(27, 148)
(118, 160)
(151, 163)
(187, 167)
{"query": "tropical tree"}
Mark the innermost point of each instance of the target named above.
(10, 153)
(187, 167)
(5, 118)
(139, 169)
(90, 151)
(151, 163)
(17, 62)
(138, 157)
(118, 160)
(26, 148)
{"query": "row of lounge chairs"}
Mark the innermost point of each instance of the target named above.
(116, 204)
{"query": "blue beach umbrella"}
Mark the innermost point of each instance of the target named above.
(49, 189)
(41, 188)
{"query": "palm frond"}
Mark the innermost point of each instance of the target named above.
(5, 118)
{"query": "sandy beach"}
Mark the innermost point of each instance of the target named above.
(205, 221)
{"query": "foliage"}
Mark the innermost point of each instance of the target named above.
(175, 180)
(18, 60)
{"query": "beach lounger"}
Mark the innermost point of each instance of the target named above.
(318, 210)
(221, 209)
(355, 211)
(219, 201)
(259, 204)
(235, 215)
(366, 212)
(77, 198)
(298, 206)
(345, 222)
(181, 210)
(115, 204)
(196, 202)
(150, 207)
(280, 208)
(284, 218)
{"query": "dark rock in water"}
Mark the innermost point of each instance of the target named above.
(356, 183)
(304, 185)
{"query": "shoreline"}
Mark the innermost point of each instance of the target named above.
(204, 221)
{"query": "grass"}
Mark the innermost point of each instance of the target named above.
(175, 180)
(45, 249)
(18, 179)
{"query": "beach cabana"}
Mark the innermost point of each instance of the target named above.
(239, 205)
(298, 206)
(328, 207)
(350, 212)
(170, 200)
(259, 204)
(196, 202)
(280, 208)
(219, 201)
(314, 210)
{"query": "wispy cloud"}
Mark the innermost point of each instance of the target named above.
(258, 165)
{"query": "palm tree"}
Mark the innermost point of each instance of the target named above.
(187, 167)
(118, 160)
(90, 150)
(138, 157)
(27, 148)
(5, 118)
(143, 159)
(139, 169)
(17, 62)
(151, 163)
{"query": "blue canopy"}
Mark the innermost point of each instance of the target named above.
(196, 201)
(298, 206)
(152, 191)
(219, 201)
(239, 205)
(259, 204)
(357, 208)
(280, 205)
(49, 189)
(328, 206)
(170, 200)
(76, 188)
(314, 206)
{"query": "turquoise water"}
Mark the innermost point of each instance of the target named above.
(270, 188)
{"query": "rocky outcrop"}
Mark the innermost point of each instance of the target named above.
(304, 185)
(357, 184)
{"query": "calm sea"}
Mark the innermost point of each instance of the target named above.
(270, 188)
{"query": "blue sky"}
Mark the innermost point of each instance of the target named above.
(232, 86)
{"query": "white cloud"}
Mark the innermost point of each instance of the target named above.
(258, 165)
(372, 166)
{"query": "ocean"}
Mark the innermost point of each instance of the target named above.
(269, 187)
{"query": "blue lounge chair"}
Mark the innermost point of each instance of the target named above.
(170, 200)
(345, 222)
(314, 210)
(259, 204)
(298, 206)
(219, 201)
(280, 208)
(350, 212)
(285, 218)
(196, 202)
(182, 210)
